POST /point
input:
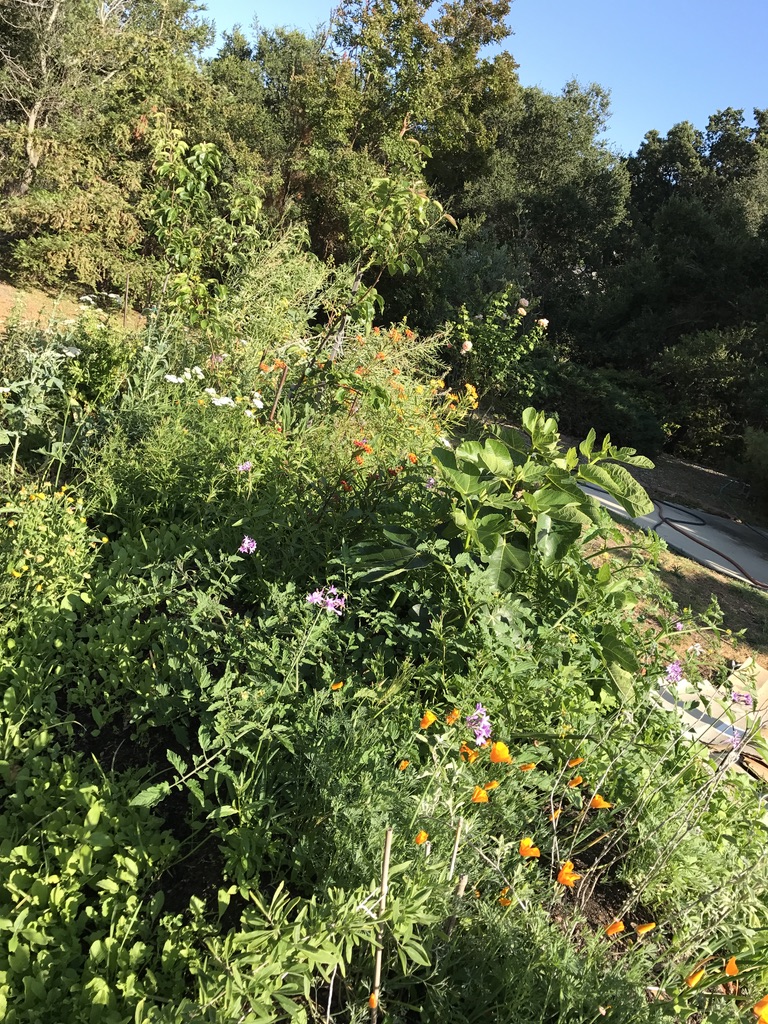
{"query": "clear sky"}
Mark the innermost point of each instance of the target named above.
(663, 61)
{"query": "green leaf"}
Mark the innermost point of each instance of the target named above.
(621, 485)
(510, 556)
(151, 796)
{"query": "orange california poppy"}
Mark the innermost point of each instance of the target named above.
(491, 785)
(428, 719)
(731, 969)
(615, 928)
(500, 753)
(575, 761)
(599, 803)
(556, 814)
(643, 929)
(566, 875)
(527, 849)
(467, 753)
(504, 901)
(373, 1001)
(575, 781)
(528, 767)
(479, 796)
(760, 1009)
(695, 977)
(453, 717)
(421, 837)
(403, 765)
(336, 686)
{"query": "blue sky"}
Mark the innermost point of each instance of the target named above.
(664, 61)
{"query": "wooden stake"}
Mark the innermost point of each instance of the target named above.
(125, 300)
(450, 922)
(455, 849)
(374, 999)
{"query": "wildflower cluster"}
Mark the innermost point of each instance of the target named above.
(329, 599)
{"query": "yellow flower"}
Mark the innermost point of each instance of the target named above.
(643, 929)
(556, 814)
(479, 796)
(527, 849)
(337, 686)
(731, 969)
(421, 837)
(566, 875)
(500, 753)
(694, 978)
(427, 720)
(615, 928)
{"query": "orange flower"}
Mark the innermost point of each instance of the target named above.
(467, 753)
(731, 969)
(453, 717)
(359, 460)
(479, 796)
(373, 1001)
(403, 765)
(428, 719)
(760, 1009)
(575, 761)
(695, 977)
(491, 785)
(643, 929)
(527, 849)
(500, 753)
(346, 487)
(528, 767)
(412, 458)
(503, 898)
(566, 875)
(280, 364)
(575, 781)
(421, 837)
(615, 928)
(264, 367)
(556, 814)
(336, 686)
(380, 355)
(597, 803)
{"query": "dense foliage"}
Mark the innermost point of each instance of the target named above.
(274, 603)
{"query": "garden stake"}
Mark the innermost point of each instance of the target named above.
(450, 922)
(280, 386)
(455, 849)
(125, 300)
(374, 1000)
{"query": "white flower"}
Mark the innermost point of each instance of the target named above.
(5, 391)
(696, 649)
(211, 392)
(524, 302)
(187, 373)
(172, 379)
(250, 413)
(71, 352)
(445, 442)
(257, 401)
(466, 347)
(521, 311)
(224, 400)
(198, 372)
(543, 322)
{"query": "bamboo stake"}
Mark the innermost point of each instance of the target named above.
(373, 1002)
(450, 923)
(455, 849)
(125, 300)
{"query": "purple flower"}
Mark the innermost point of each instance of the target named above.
(328, 598)
(742, 698)
(737, 737)
(674, 672)
(678, 626)
(245, 467)
(248, 546)
(429, 483)
(480, 723)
